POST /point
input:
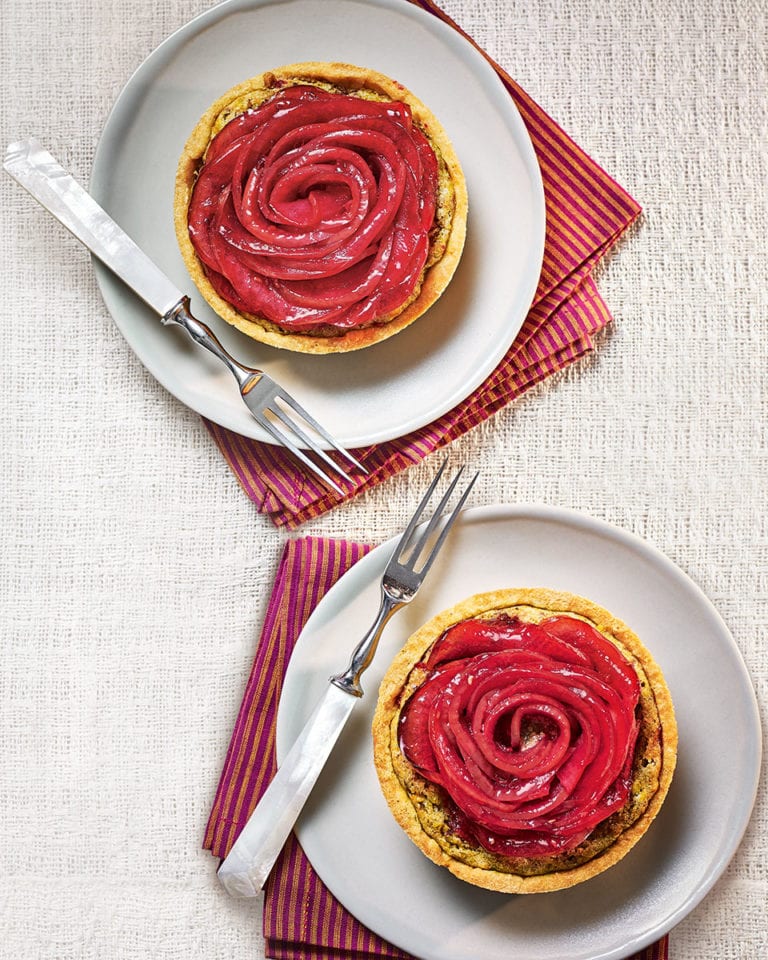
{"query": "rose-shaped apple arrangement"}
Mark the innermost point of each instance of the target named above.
(530, 729)
(315, 209)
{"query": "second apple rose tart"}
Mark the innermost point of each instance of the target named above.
(320, 207)
(524, 739)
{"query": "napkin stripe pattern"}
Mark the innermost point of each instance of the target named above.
(302, 920)
(549, 341)
(250, 758)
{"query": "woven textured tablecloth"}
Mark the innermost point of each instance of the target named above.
(134, 573)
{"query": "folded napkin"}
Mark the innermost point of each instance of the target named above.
(302, 920)
(587, 211)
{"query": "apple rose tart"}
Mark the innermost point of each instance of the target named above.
(525, 740)
(320, 207)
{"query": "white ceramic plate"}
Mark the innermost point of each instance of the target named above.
(391, 388)
(352, 840)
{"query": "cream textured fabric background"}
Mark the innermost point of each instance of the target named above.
(134, 572)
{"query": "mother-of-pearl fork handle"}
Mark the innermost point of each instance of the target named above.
(249, 862)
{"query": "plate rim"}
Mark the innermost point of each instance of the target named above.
(132, 94)
(586, 522)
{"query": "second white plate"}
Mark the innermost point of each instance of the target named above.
(371, 866)
(391, 388)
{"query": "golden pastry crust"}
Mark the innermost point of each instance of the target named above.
(418, 805)
(446, 239)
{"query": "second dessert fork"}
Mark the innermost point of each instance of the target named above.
(249, 862)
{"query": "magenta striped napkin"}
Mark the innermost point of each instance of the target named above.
(587, 212)
(302, 920)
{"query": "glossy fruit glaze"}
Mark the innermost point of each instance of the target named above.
(315, 209)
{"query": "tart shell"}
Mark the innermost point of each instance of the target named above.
(415, 803)
(447, 242)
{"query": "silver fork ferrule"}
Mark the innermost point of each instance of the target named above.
(172, 315)
(365, 651)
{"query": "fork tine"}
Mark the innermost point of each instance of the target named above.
(297, 407)
(286, 442)
(419, 510)
(447, 526)
(302, 436)
(434, 520)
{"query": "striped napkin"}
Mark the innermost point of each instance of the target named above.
(587, 211)
(302, 920)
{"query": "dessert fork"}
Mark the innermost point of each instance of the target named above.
(245, 869)
(270, 405)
